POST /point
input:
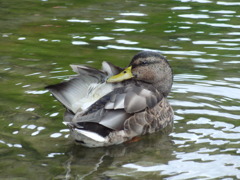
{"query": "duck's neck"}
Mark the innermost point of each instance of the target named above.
(163, 87)
(164, 83)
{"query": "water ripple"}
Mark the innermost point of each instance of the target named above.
(213, 90)
(124, 29)
(123, 41)
(130, 21)
(101, 38)
(181, 8)
(208, 112)
(78, 21)
(204, 42)
(219, 25)
(228, 3)
(133, 14)
(194, 16)
(223, 12)
(179, 168)
(199, 37)
(79, 43)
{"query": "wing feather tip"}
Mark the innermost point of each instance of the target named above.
(91, 135)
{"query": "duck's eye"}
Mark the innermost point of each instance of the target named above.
(143, 63)
(124, 72)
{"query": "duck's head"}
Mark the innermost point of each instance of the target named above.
(148, 67)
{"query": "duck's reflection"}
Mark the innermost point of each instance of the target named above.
(85, 163)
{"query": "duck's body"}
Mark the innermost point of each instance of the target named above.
(103, 111)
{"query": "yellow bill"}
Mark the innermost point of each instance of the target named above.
(124, 75)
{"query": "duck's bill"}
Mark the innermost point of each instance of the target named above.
(124, 75)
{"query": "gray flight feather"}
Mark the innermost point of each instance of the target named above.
(70, 93)
(118, 107)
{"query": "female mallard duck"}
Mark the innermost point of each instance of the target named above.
(105, 109)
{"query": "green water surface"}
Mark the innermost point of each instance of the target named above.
(40, 39)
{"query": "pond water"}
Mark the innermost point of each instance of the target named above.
(201, 39)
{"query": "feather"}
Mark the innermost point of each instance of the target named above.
(114, 119)
(119, 101)
(81, 91)
(87, 71)
(110, 69)
(109, 105)
(134, 103)
(91, 135)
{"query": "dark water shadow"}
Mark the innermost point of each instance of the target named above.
(92, 163)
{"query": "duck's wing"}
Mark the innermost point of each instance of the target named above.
(79, 87)
(110, 69)
(113, 109)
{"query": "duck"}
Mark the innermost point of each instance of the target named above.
(115, 105)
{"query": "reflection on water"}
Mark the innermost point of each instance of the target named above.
(90, 163)
(39, 40)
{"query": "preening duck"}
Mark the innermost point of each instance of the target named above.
(113, 105)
